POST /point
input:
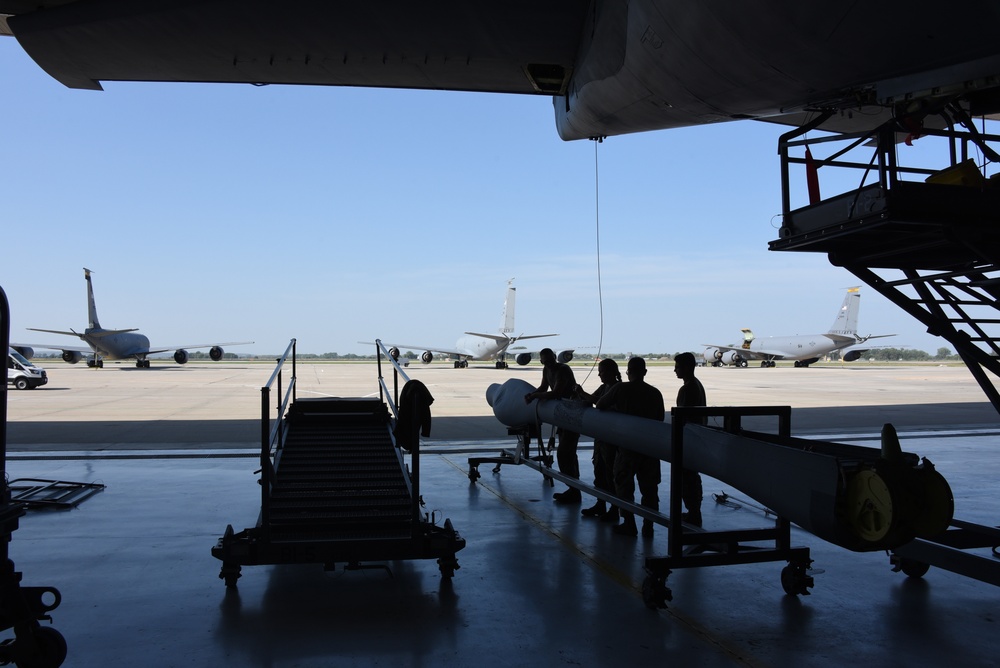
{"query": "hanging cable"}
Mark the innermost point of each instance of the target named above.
(597, 228)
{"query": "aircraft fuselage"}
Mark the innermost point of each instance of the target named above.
(117, 346)
(479, 348)
(799, 347)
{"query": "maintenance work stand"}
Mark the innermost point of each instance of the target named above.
(336, 488)
(926, 236)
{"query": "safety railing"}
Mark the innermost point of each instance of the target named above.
(272, 434)
(939, 149)
(909, 209)
(391, 398)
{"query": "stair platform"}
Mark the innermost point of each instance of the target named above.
(337, 490)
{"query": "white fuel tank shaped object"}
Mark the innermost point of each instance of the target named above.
(859, 498)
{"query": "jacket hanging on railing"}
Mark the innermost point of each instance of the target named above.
(414, 417)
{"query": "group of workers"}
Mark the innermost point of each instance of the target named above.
(617, 469)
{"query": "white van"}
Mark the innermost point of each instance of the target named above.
(22, 374)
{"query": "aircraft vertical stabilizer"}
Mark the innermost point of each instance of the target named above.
(93, 322)
(846, 323)
(507, 319)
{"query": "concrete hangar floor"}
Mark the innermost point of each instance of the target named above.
(177, 447)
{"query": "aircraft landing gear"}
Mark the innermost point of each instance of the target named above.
(142, 364)
(98, 364)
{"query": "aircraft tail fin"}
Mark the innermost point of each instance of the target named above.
(507, 317)
(93, 322)
(846, 322)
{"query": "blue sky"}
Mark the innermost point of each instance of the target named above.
(335, 215)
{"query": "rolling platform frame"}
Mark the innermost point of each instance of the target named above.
(21, 608)
(926, 239)
(693, 547)
(335, 487)
(689, 546)
(525, 435)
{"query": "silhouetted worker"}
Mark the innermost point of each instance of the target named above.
(691, 393)
(558, 382)
(639, 398)
(604, 452)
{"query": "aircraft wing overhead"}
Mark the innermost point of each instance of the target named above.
(614, 67)
(517, 46)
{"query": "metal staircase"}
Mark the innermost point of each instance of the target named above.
(339, 476)
(335, 488)
(928, 239)
(925, 237)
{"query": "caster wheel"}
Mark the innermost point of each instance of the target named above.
(655, 592)
(795, 581)
(912, 568)
(448, 566)
(50, 649)
(230, 573)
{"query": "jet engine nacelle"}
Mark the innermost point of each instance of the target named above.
(711, 355)
(394, 353)
(216, 353)
(732, 357)
(426, 357)
(71, 356)
(849, 356)
(564, 356)
(522, 358)
(181, 356)
(25, 352)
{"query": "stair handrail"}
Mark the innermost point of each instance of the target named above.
(397, 370)
(392, 399)
(272, 438)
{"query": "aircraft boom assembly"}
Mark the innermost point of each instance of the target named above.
(859, 498)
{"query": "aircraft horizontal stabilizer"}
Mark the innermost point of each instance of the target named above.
(52, 331)
(492, 337)
(535, 336)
